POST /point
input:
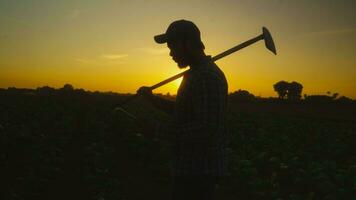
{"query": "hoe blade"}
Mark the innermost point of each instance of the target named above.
(268, 40)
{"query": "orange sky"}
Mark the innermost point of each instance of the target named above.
(108, 45)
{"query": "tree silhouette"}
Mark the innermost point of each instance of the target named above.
(294, 91)
(281, 88)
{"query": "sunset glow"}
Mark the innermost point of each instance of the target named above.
(108, 45)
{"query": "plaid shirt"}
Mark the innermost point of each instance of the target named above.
(198, 132)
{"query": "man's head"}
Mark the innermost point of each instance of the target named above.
(183, 40)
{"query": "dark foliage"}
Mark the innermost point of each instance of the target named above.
(59, 146)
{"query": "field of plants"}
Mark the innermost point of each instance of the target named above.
(71, 145)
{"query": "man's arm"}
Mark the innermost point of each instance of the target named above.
(165, 105)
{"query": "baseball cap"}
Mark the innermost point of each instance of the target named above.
(177, 30)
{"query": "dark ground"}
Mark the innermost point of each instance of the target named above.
(70, 145)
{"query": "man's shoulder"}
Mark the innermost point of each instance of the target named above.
(208, 71)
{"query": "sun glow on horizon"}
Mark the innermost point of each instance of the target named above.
(108, 45)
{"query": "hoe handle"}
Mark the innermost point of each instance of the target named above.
(238, 47)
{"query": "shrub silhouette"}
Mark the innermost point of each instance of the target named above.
(45, 90)
(242, 95)
(318, 98)
(67, 87)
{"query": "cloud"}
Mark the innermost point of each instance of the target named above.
(113, 56)
(154, 51)
(104, 59)
(332, 32)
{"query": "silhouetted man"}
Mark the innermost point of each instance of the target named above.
(198, 131)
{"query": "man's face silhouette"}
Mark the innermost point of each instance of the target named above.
(179, 53)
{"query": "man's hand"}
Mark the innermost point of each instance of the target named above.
(145, 92)
(146, 127)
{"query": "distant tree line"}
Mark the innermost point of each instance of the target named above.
(287, 91)
(67, 89)
(293, 91)
(326, 98)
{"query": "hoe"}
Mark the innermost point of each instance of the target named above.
(266, 36)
